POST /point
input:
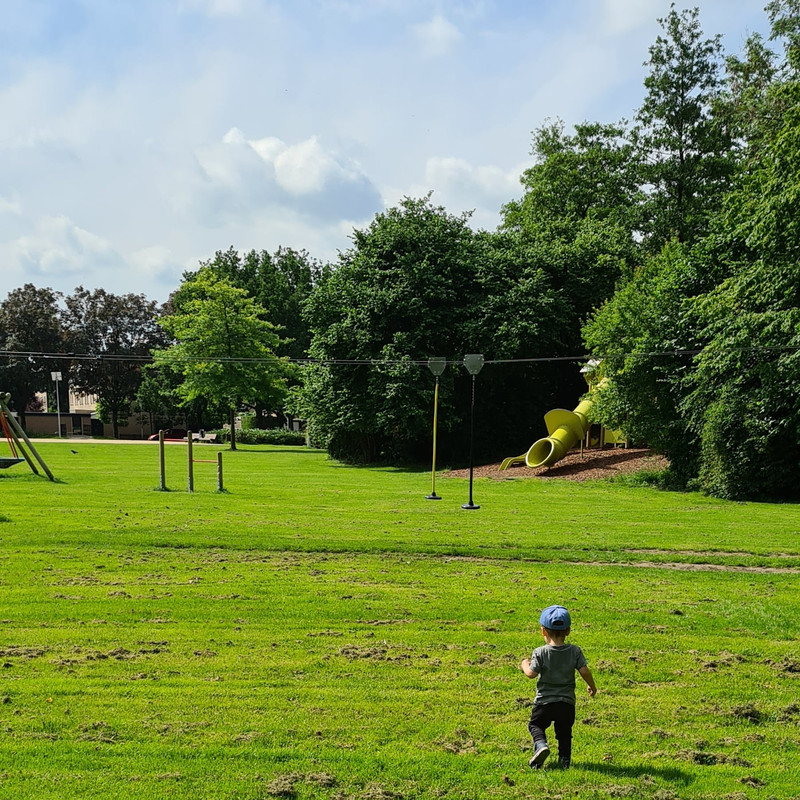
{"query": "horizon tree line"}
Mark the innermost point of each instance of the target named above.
(675, 233)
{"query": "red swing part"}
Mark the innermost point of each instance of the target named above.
(5, 463)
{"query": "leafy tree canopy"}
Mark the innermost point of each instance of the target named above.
(116, 332)
(224, 348)
(728, 418)
(30, 322)
(685, 148)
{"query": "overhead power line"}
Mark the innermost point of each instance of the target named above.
(147, 359)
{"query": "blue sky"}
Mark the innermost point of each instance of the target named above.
(140, 136)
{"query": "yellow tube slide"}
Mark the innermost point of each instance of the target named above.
(564, 430)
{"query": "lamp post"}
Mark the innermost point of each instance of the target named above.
(473, 364)
(56, 376)
(436, 366)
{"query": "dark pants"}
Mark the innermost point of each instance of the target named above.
(562, 715)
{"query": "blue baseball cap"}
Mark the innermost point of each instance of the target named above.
(556, 618)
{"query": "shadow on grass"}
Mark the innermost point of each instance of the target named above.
(404, 469)
(619, 771)
(29, 477)
(251, 449)
(255, 449)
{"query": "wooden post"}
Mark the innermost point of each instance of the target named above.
(191, 461)
(16, 444)
(17, 429)
(162, 483)
(220, 487)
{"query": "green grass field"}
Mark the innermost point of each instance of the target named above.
(321, 631)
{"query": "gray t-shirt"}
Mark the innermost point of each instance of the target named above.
(556, 667)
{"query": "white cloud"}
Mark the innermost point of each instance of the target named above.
(437, 37)
(10, 206)
(126, 138)
(457, 176)
(240, 176)
(461, 186)
(218, 8)
(269, 148)
(156, 262)
(306, 168)
(59, 247)
(622, 16)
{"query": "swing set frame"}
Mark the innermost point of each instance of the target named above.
(21, 447)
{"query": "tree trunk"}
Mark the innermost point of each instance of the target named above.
(114, 423)
(261, 415)
(232, 420)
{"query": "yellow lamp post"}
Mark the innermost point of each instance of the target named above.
(436, 366)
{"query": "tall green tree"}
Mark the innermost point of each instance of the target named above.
(686, 149)
(743, 403)
(577, 219)
(592, 173)
(114, 334)
(641, 335)
(419, 282)
(30, 323)
(400, 294)
(728, 417)
(224, 349)
(280, 283)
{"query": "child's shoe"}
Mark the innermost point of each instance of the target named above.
(563, 762)
(539, 756)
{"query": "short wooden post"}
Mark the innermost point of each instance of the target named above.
(220, 487)
(191, 461)
(162, 483)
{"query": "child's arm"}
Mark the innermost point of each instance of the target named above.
(526, 668)
(586, 674)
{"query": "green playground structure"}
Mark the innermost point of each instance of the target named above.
(565, 429)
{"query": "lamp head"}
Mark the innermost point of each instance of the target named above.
(474, 363)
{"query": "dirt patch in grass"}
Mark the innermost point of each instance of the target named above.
(590, 466)
(99, 732)
(323, 779)
(376, 792)
(788, 665)
(459, 743)
(695, 567)
(657, 551)
(685, 566)
(284, 785)
(354, 652)
(749, 712)
(17, 651)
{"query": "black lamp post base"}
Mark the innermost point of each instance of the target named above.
(470, 506)
(433, 496)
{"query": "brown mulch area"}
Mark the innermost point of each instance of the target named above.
(592, 465)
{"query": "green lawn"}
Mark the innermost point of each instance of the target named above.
(323, 631)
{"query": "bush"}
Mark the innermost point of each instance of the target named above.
(667, 479)
(264, 436)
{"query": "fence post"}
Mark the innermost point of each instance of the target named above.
(162, 484)
(219, 472)
(191, 461)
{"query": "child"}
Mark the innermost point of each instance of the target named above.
(554, 664)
